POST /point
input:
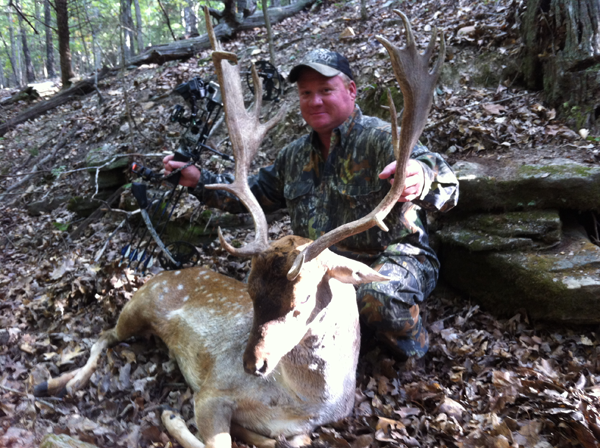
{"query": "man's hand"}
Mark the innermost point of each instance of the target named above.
(415, 179)
(189, 176)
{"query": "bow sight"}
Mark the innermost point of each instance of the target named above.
(205, 103)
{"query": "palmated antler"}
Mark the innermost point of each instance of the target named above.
(246, 133)
(417, 84)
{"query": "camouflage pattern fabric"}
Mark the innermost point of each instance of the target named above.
(321, 195)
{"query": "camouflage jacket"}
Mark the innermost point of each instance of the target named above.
(323, 194)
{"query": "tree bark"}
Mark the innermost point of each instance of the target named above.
(10, 58)
(29, 73)
(127, 28)
(64, 46)
(13, 50)
(562, 56)
(183, 49)
(138, 27)
(269, 32)
(49, 43)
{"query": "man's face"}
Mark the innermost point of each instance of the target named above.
(325, 103)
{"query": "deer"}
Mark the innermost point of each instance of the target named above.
(276, 357)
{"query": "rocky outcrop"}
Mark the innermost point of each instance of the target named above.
(514, 243)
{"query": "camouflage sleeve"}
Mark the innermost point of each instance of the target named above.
(266, 186)
(441, 185)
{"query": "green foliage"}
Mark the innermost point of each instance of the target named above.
(33, 151)
(62, 226)
(57, 171)
(94, 30)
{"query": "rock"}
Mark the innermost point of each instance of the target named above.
(347, 33)
(561, 284)
(36, 208)
(514, 185)
(112, 175)
(504, 231)
(63, 441)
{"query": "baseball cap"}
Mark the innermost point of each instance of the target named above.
(326, 62)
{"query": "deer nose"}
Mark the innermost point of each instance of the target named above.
(257, 368)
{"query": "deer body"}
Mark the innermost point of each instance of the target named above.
(206, 320)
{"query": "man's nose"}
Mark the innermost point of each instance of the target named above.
(316, 100)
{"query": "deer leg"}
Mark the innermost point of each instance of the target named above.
(252, 438)
(213, 420)
(74, 380)
(177, 428)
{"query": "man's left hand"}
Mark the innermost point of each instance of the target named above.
(415, 179)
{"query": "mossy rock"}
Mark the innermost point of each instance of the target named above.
(503, 231)
(100, 156)
(63, 441)
(515, 186)
(374, 96)
(557, 285)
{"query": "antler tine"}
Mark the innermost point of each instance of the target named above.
(246, 133)
(417, 84)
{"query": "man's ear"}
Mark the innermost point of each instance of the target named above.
(352, 89)
(349, 271)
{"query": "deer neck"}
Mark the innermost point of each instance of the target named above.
(324, 362)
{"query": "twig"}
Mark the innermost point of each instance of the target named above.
(438, 123)
(167, 18)
(510, 98)
(24, 394)
(8, 238)
(51, 406)
(86, 168)
(58, 146)
(20, 13)
(96, 215)
(108, 241)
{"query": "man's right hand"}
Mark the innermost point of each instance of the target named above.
(190, 176)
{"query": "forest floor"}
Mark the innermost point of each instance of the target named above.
(485, 381)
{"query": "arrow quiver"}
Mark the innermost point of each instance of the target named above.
(146, 246)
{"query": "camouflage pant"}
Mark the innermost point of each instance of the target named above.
(391, 308)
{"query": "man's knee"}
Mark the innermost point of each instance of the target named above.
(392, 310)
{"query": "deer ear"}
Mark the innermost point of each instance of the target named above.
(350, 271)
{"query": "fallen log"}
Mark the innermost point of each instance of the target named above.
(79, 89)
(28, 93)
(182, 49)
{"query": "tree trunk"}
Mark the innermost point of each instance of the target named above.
(363, 10)
(265, 8)
(29, 73)
(10, 58)
(562, 56)
(13, 50)
(190, 19)
(183, 49)
(49, 43)
(127, 27)
(64, 47)
(138, 27)
(85, 64)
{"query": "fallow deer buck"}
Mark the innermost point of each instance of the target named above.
(276, 357)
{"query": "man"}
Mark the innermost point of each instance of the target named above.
(339, 173)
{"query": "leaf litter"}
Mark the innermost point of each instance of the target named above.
(485, 381)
